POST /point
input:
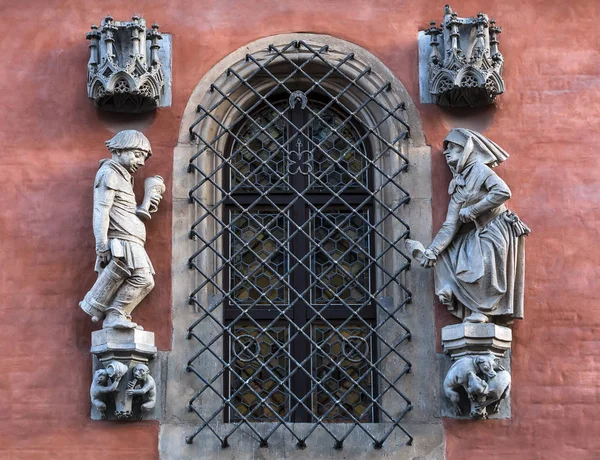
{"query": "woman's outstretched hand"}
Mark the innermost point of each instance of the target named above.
(429, 258)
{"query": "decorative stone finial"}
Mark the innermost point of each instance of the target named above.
(154, 35)
(122, 75)
(470, 74)
(433, 31)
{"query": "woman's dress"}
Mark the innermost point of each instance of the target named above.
(482, 262)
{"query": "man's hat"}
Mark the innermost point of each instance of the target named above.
(129, 139)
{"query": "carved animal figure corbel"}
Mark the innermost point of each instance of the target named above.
(498, 389)
(100, 388)
(143, 385)
(485, 382)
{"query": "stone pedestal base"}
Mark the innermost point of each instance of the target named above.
(110, 343)
(477, 383)
(119, 351)
(476, 339)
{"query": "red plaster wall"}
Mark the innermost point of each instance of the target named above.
(52, 138)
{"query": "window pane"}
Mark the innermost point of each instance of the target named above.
(340, 257)
(258, 159)
(341, 365)
(258, 258)
(339, 160)
(259, 366)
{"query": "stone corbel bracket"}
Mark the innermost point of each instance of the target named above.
(123, 387)
(460, 64)
(128, 70)
(477, 383)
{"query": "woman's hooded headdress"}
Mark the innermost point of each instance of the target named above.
(476, 148)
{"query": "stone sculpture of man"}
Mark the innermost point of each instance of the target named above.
(125, 271)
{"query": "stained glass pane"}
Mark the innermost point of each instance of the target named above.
(341, 366)
(341, 257)
(339, 159)
(259, 367)
(258, 158)
(258, 258)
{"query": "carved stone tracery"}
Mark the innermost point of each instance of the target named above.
(124, 70)
(465, 67)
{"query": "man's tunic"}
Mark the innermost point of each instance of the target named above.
(124, 233)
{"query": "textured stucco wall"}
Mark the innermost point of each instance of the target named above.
(52, 137)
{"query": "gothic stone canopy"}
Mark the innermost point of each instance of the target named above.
(465, 67)
(124, 71)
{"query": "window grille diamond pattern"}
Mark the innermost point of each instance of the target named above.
(257, 248)
(350, 348)
(252, 380)
(340, 258)
(296, 232)
(258, 162)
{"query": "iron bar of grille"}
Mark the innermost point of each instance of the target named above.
(294, 248)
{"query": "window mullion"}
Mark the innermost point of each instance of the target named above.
(300, 347)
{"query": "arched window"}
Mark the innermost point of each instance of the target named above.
(299, 282)
(299, 197)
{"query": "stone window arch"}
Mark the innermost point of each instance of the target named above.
(309, 77)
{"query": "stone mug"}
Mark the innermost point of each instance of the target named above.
(153, 186)
(116, 369)
(123, 402)
(95, 303)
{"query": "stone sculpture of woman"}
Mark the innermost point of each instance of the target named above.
(479, 252)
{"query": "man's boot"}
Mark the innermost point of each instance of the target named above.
(116, 319)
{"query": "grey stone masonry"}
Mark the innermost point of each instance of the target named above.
(123, 387)
(128, 70)
(421, 385)
(462, 66)
(476, 338)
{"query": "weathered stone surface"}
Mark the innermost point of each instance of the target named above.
(448, 408)
(478, 382)
(479, 251)
(464, 68)
(479, 259)
(125, 73)
(104, 384)
(125, 273)
(477, 385)
(122, 388)
(476, 338)
(123, 341)
(358, 446)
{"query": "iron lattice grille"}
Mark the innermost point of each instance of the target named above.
(298, 223)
